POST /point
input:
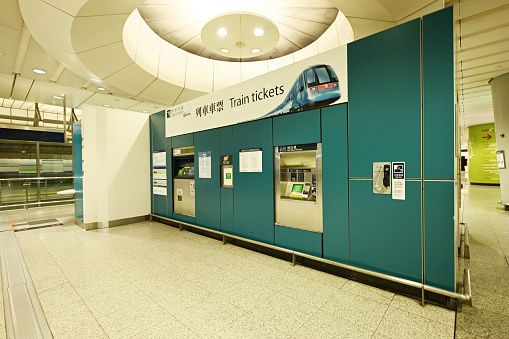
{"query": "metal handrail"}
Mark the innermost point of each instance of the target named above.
(38, 178)
(466, 297)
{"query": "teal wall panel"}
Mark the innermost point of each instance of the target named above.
(297, 128)
(336, 238)
(207, 198)
(226, 148)
(384, 100)
(169, 175)
(77, 145)
(439, 234)
(299, 240)
(385, 234)
(158, 143)
(184, 218)
(254, 192)
(438, 80)
(183, 140)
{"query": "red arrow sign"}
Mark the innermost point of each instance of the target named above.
(488, 137)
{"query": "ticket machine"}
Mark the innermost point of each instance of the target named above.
(183, 181)
(298, 186)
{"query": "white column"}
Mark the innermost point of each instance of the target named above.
(500, 94)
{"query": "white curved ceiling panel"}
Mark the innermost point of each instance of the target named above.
(329, 40)
(253, 69)
(195, 45)
(306, 27)
(188, 95)
(172, 64)
(367, 9)
(131, 33)
(162, 91)
(185, 33)
(108, 7)
(99, 99)
(9, 47)
(8, 17)
(96, 31)
(67, 6)
(280, 62)
(5, 85)
(307, 52)
(226, 74)
(52, 33)
(133, 79)
(43, 92)
(200, 72)
(344, 30)
(148, 51)
(36, 59)
(71, 61)
(106, 60)
(363, 29)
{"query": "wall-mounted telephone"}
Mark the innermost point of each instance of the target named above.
(382, 177)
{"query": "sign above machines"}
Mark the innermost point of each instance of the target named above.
(310, 83)
(297, 148)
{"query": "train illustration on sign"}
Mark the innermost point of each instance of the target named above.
(316, 86)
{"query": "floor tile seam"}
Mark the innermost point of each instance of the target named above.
(290, 335)
(422, 318)
(414, 313)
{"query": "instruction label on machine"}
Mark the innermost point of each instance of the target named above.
(205, 165)
(398, 180)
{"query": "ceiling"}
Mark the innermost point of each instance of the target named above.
(180, 23)
(83, 45)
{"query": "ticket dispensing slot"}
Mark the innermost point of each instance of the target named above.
(183, 181)
(298, 187)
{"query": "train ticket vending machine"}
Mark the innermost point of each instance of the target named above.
(183, 181)
(298, 186)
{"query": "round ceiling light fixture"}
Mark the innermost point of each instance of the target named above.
(145, 111)
(60, 97)
(222, 31)
(258, 31)
(246, 33)
(106, 105)
(101, 88)
(38, 71)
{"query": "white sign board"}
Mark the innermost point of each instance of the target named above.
(314, 82)
(159, 184)
(500, 159)
(398, 180)
(205, 165)
(250, 160)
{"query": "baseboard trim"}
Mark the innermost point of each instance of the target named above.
(112, 223)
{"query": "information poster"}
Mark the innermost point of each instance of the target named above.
(482, 154)
(205, 165)
(500, 159)
(250, 160)
(398, 180)
(159, 183)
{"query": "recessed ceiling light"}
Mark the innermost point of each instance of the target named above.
(225, 50)
(57, 97)
(38, 71)
(101, 88)
(107, 105)
(255, 50)
(258, 32)
(145, 111)
(222, 32)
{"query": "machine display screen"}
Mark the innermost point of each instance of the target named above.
(297, 188)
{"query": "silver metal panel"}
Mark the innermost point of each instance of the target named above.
(183, 197)
(301, 214)
(15, 274)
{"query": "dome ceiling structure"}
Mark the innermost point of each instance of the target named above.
(179, 22)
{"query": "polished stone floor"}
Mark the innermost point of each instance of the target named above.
(149, 280)
(489, 251)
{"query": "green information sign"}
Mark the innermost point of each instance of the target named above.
(228, 175)
(482, 155)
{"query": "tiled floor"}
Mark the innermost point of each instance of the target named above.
(489, 250)
(150, 280)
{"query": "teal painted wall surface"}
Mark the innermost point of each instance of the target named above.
(253, 201)
(157, 143)
(385, 234)
(169, 170)
(226, 148)
(77, 144)
(384, 100)
(299, 240)
(439, 234)
(438, 80)
(183, 140)
(336, 237)
(208, 195)
(297, 128)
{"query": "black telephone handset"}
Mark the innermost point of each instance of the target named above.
(387, 176)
